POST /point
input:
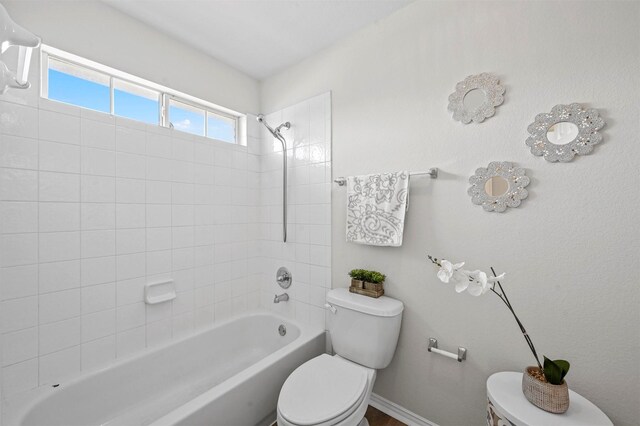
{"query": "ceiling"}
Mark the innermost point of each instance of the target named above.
(258, 37)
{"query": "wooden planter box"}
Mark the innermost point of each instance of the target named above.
(366, 288)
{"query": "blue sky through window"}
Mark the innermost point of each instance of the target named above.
(221, 128)
(77, 91)
(135, 102)
(186, 119)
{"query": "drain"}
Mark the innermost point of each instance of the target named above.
(282, 330)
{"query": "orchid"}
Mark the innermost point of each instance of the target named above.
(478, 283)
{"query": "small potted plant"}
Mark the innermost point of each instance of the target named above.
(368, 283)
(543, 385)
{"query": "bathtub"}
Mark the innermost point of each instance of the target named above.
(228, 375)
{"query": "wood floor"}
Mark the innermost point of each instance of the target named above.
(378, 418)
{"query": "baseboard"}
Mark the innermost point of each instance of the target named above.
(398, 412)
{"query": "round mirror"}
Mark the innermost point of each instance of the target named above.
(496, 186)
(562, 133)
(474, 99)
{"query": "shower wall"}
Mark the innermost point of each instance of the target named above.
(92, 207)
(307, 252)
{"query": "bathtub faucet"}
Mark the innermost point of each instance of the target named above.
(281, 298)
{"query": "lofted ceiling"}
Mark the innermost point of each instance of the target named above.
(258, 37)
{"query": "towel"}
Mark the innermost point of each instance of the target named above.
(376, 205)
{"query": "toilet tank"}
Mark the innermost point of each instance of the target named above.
(363, 329)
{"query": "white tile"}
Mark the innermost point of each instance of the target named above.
(98, 134)
(158, 238)
(158, 332)
(130, 165)
(59, 127)
(59, 366)
(98, 243)
(98, 162)
(203, 153)
(17, 314)
(98, 270)
(158, 262)
(159, 169)
(130, 266)
(130, 190)
(59, 186)
(158, 215)
(59, 335)
(182, 193)
(18, 120)
(17, 152)
(182, 236)
(98, 353)
(130, 241)
(57, 276)
(18, 185)
(18, 216)
(18, 249)
(158, 192)
(97, 216)
(59, 157)
(19, 377)
(130, 216)
(182, 215)
(130, 291)
(130, 316)
(57, 246)
(158, 144)
(98, 324)
(18, 281)
(19, 346)
(59, 305)
(99, 297)
(98, 189)
(59, 107)
(130, 341)
(56, 217)
(130, 140)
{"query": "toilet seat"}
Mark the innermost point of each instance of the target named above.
(323, 391)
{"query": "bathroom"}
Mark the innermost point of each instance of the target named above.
(132, 240)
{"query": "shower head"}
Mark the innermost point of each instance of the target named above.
(260, 118)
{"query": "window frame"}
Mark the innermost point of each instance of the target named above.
(166, 94)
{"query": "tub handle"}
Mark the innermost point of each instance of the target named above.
(330, 307)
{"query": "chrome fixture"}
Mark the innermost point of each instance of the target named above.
(433, 172)
(284, 277)
(282, 330)
(433, 347)
(12, 34)
(276, 133)
(281, 298)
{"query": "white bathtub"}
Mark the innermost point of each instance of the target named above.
(228, 375)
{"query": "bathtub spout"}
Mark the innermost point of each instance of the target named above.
(281, 298)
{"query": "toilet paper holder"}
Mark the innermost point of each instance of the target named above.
(433, 347)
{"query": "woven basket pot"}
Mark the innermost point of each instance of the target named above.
(551, 398)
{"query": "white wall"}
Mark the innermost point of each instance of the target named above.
(96, 31)
(92, 208)
(307, 252)
(570, 250)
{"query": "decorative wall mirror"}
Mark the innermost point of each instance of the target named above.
(498, 186)
(566, 131)
(476, 97)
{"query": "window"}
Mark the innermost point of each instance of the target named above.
(77, 81)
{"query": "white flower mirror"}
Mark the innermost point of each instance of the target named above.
(476, 97)
(498, 186)
(567, 131)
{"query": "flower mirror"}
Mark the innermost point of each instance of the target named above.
(498, 186)
(475, 98)
(567, 131)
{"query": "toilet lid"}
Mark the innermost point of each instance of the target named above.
(322, 389)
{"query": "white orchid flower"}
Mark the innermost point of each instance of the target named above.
(478, 283)
(498, 278)
(449, 271)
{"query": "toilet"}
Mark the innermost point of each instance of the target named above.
(334, 390)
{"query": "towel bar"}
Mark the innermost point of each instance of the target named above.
(433, 172)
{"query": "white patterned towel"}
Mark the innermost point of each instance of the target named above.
(376, 205)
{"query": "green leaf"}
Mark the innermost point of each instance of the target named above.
(554, 371)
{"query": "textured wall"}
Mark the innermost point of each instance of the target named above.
(571, 249)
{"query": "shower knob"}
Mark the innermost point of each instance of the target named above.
(283, 277)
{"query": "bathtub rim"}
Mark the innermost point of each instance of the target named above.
(16, 407)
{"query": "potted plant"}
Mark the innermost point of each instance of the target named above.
(543, 385)
(369, 283)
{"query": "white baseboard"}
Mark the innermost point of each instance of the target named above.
(398, 412)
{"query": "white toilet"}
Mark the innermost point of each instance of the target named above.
(335, 390)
